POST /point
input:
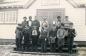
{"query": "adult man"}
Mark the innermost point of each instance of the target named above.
(44, 34)
(35, 33)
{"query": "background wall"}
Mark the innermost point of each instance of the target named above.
(76, 15)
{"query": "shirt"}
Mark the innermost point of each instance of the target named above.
(60, 33)
(45, 24)
(30, 23)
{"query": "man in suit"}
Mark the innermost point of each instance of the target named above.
(35, 33)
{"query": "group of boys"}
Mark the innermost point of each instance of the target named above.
(27, 33)
(58, 34)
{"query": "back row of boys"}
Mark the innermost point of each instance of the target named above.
(28, 26)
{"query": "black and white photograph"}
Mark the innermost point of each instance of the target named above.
(42, 27)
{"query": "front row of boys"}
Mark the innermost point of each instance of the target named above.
(30, 31)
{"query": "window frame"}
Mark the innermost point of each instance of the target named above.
(10, 22)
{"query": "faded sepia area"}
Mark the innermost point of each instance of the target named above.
(13, 11)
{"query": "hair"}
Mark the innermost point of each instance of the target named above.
(71, 23)
(25, 17)
(30, 16)
(19, 24)
(58, 17)
(62, 24)
(66, 16)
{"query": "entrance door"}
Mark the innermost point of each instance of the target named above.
(50, 14)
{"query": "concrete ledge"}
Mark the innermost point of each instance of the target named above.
(7, 41)
(81, 43)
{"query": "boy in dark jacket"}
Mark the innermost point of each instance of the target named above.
(19, 37)
(35, 33)
(71, 35)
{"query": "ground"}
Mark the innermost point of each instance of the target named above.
(7, 50)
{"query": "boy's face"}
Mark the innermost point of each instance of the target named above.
(30, 18)
(25, 19)
(66, 19)
(71, 26)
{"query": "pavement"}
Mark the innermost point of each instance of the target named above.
(7, 50)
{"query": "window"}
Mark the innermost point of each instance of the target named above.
(8, 16)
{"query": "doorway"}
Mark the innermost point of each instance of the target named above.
(50, 14)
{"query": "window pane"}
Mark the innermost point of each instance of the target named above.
(8, 16)
(1, 17)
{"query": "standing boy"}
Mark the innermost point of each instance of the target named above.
(19, 37)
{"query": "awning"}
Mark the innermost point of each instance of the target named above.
(77, 3)
(16, 4)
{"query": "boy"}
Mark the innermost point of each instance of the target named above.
(44, 35)
(52, 35)
(19, 36)
(71, 35)
(35, 33)
(60, 35)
